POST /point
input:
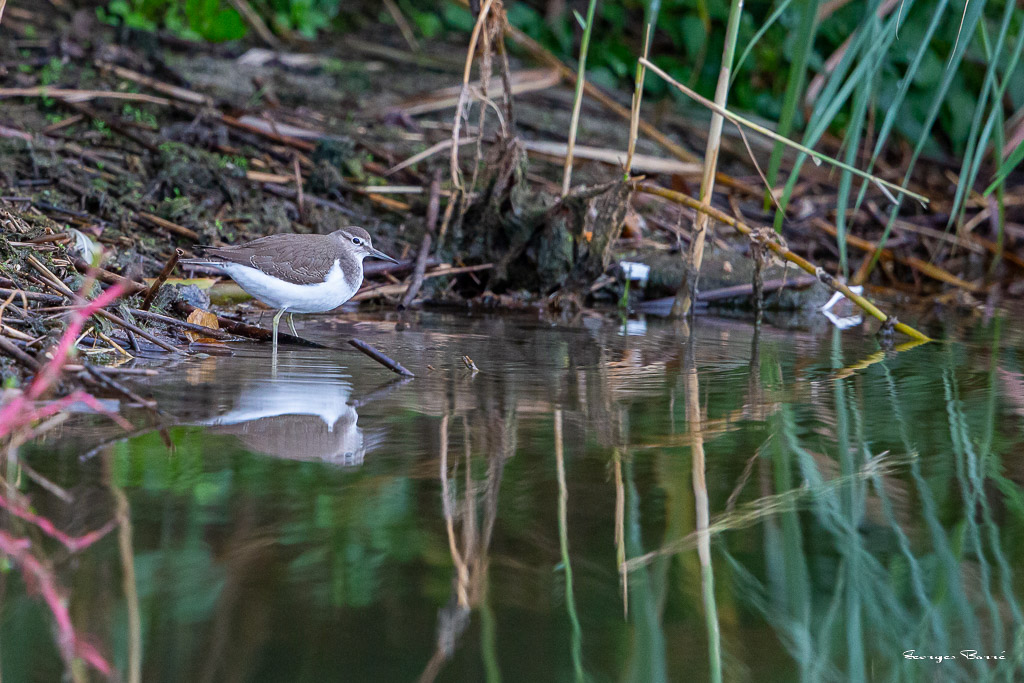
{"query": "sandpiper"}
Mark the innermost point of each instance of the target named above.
(296, 273)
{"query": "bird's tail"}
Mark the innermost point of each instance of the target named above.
(202, 262)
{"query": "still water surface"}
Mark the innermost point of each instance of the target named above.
(600, 502)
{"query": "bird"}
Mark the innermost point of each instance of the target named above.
(296, 273)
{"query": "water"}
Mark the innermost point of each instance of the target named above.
(333, 523)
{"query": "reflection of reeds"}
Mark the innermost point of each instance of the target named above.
(647, 662)
(21, 418)
(972, 468)
(128, 583)
(563, 544)
(768, 506)
(620, 536)
(953, 592)
(469, 539)
(700, 499)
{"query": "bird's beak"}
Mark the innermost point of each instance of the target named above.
(377, 253)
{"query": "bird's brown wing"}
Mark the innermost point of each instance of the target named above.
(303, 261)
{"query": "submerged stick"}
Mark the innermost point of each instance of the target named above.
(118, 387)
(784, 253)
(392, 365)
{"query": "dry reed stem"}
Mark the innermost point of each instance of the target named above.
(539, 52)
(464, 93)
(256, 22)
(76, 95)
(634, 110)
(403, 24)
(695, 255)
(784, 253)
(577, 105)
(920, 265)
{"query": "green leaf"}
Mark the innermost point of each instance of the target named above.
(459, 17)
(1011, 162)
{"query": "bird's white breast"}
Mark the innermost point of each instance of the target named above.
(316, 298)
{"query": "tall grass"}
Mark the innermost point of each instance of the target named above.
(860, 83)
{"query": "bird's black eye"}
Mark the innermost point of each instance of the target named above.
(356, 241)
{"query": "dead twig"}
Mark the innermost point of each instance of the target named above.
(84, 267)
(169, 226)
(49, 299)
(54, 283)
(73, 95)
(920, 265)
(118, 387)
(161, 278)
(183, 325)
(174, 91)
(12, 350)
(403, 24)
(433, 211)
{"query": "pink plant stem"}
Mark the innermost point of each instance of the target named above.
(51, 371)
(72, 543)
(19, 412)
(39, 577)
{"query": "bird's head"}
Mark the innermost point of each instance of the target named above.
(357, 241)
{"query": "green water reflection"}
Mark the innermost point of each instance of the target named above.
(330, 524)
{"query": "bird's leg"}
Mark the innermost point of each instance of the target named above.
(291, 324)
(277, 321)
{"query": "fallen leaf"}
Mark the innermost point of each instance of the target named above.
(633, 226)
(204, 318)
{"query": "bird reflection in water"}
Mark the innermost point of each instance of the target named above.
(297, 420)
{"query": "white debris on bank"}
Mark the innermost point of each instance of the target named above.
(837, 317)
(636, 272)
